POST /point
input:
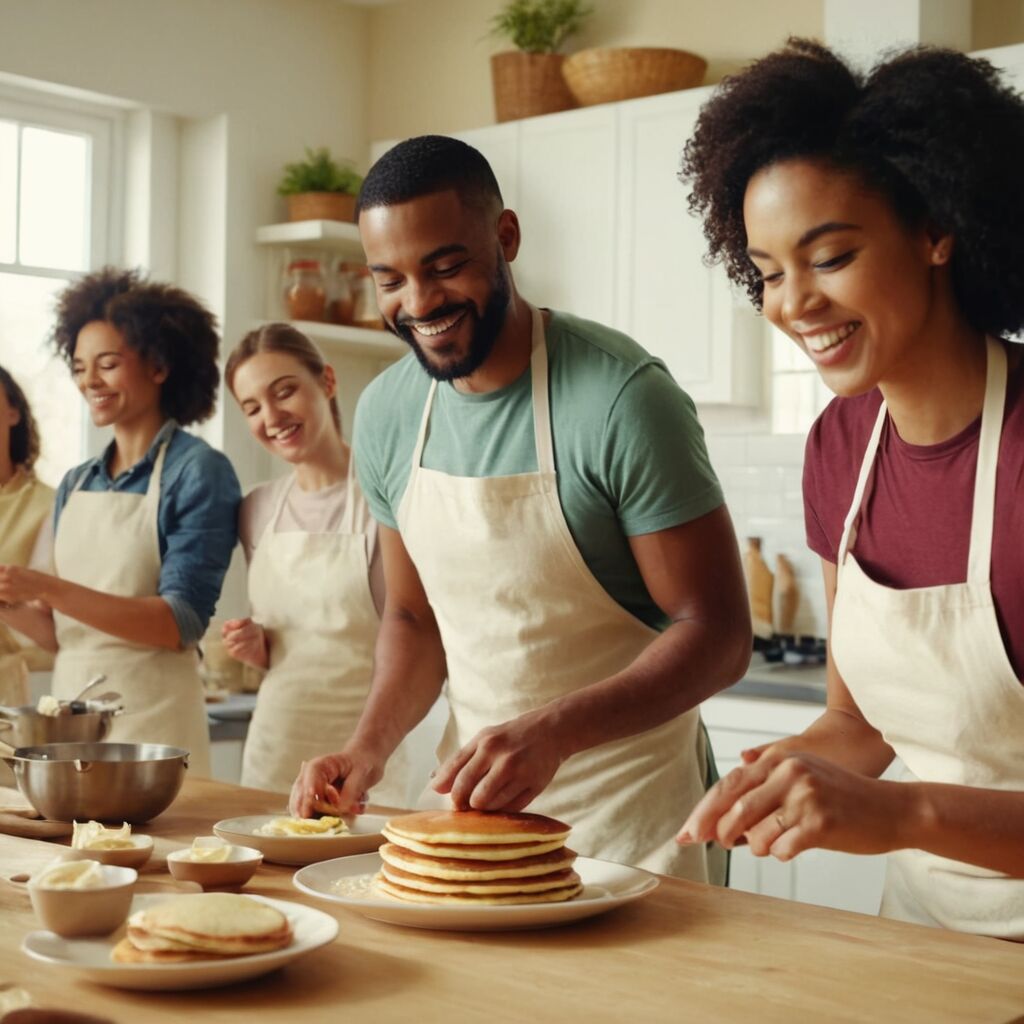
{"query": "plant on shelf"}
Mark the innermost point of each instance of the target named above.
(320, 187)
(540, 26)
(528, 80)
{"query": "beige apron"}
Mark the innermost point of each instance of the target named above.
(109, 541)
(928, 669)
(311, 593)
(523, 622)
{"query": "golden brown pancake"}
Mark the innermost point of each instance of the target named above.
(221, 924)
(536, 883)
(478, 851)
(389, 888)
(125, 953)
(465, 869)
(460, 828)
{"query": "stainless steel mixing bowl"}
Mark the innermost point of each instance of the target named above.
(27, 728)
(102, 781)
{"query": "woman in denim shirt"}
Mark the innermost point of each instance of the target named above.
(144, 533)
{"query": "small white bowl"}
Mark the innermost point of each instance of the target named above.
(232, 873)
(133, 856)
(77, 912)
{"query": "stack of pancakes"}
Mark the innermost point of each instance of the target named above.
(202, 926)
(477, 858)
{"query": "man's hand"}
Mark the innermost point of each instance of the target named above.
(246, 641)
(334, 784)
(783, 802)
(503, 767)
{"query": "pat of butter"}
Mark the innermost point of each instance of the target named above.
(326, 826)
(94, 836)
(48, 705)
(210, 850)
(74, 874)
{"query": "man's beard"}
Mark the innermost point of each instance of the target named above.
(487, 326)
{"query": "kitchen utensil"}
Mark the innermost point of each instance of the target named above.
(759, 587)
(102, 781)
(91, 685)
(787, 595)
(25, 727)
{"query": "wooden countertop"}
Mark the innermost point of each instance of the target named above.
(687, 952)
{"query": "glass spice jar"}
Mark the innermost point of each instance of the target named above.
(340, 300)
(305, 291)
(365, 314)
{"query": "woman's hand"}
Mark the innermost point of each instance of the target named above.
(334, 783)
(783, 802)
(246, 641)
(503, 767)
(19, 585)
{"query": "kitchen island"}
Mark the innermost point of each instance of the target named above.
(686, 952)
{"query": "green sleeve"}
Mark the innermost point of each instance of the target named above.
(371, 467)
(656, 465)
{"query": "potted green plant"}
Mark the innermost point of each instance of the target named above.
(320, 188)
(528, 80)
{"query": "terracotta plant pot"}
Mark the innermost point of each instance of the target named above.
(528, 84)
(322, 206)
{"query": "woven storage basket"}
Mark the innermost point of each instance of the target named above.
(322, 206)
(610, 74)
(528, 84)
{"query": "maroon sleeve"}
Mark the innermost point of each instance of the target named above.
(814, 462)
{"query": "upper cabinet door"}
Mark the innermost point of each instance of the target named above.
(668, 300)
(567, 210)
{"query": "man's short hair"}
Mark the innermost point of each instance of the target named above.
(426, 165)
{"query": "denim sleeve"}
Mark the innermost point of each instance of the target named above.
(198, 526)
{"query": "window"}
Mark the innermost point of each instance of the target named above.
(798, 392)
(55, 186)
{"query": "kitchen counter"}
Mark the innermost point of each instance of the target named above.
(779, 681)
(687, 952)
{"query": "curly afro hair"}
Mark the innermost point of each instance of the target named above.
(937, 133)
(162, 323)
(24, 437)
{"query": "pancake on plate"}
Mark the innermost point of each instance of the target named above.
(202, 926)
(476, 858)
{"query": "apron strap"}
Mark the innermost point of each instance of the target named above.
(541, 398)
(979, 562)
(866, 466)
(353, 497)
(417, 454)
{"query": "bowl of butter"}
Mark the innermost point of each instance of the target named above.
(214, 863)
(82, 897)
(114, 846)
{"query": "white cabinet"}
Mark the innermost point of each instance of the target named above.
(668, 300)
(823, 877)
(607, 236)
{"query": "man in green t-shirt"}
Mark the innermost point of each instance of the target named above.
(554, 540)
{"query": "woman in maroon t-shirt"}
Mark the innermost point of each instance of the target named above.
(877, 220)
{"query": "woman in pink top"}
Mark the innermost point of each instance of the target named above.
(877, 221)
(315, 585)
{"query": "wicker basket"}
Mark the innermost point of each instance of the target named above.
(609, 75)
(527, 84)
(322, 206)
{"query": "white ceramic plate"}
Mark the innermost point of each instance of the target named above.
(363, 836)
(90, 958)
(605, 886)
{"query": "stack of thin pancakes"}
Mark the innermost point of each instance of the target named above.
(202, 926)
(474, 858)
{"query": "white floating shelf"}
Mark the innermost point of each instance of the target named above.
(356, 341)
(325, 234)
